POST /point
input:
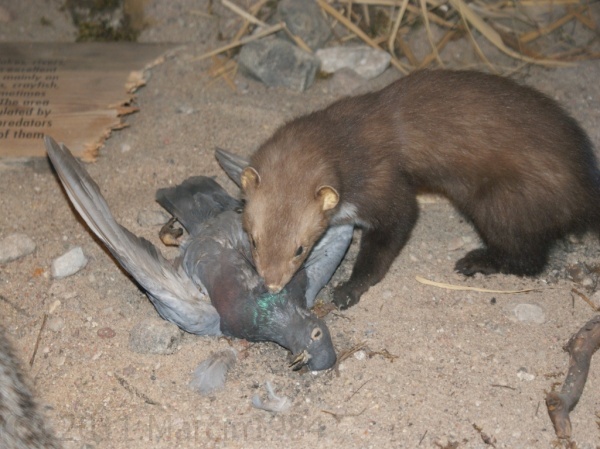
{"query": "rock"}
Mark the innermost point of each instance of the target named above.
(154, 336)
(69, 263)
(305, 19)
(277, 62)
(366, 61)
(15, 246)
(529, 313)
(149, 218)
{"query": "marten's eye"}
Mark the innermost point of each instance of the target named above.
(316, 333)
(299, 251)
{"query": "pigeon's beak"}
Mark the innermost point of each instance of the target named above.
(300, 360)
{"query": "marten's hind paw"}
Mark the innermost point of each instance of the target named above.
(477, 261)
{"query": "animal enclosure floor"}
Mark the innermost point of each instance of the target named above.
(430, 367)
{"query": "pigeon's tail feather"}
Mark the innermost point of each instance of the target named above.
(210, 375)
(172, 292)
(196, 200)
(232, 164)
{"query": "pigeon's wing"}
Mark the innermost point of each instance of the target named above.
(196, 200)
(172, 292)
(324, 259)
(232, 164)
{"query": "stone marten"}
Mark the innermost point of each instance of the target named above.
(510, 159)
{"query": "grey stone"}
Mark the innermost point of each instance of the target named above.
(69, 263)
(305, 19)
(277, 62)
(529, 313)
(149, 218)
(366, 61)
(154, 336)
(15, 246)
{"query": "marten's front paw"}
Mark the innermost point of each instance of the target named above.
(345, 296)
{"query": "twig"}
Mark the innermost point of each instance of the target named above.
(586, 299)
(239, 11)
(348, 24)
(131, 389)
(243, 41)
(581, 346)
(475, 289)
(14, 306)
(37, 341)
(503, 386)
(358, 389)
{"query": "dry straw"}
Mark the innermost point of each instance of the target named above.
(506, 24)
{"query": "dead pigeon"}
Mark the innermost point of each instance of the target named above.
(215, 261)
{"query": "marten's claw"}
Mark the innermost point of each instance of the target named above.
(345, 296)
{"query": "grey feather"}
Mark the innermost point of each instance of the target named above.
(210, 375)
(170, 289)
(273, 403)
(232, 164)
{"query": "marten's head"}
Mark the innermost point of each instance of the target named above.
(284, 216)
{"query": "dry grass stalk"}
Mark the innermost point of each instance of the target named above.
(422, 280)
(267, 31)
(495, 20)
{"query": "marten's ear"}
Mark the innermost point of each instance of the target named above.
(250, 179)
(328, 197)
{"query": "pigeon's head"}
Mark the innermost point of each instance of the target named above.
(310, 342)
(277, 317)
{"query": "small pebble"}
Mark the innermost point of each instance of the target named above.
(154, 336)
(15, 246)
(360, 355)
(106, 332)
(125, 148)
(69, 263)
(149, 218)
(529, 313)
(522, 374)
(184, 109)
(55, 323)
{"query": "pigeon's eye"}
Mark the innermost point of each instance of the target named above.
(316, 334)
(299, 251)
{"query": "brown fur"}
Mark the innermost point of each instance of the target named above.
(511, 160)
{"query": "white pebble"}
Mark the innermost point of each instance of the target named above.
(69, 263)
(15, 246)
(529, 313)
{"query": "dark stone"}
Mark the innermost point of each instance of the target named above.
(277, 62)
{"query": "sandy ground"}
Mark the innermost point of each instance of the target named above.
(460, 359)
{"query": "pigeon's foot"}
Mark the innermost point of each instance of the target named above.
(169, 234)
